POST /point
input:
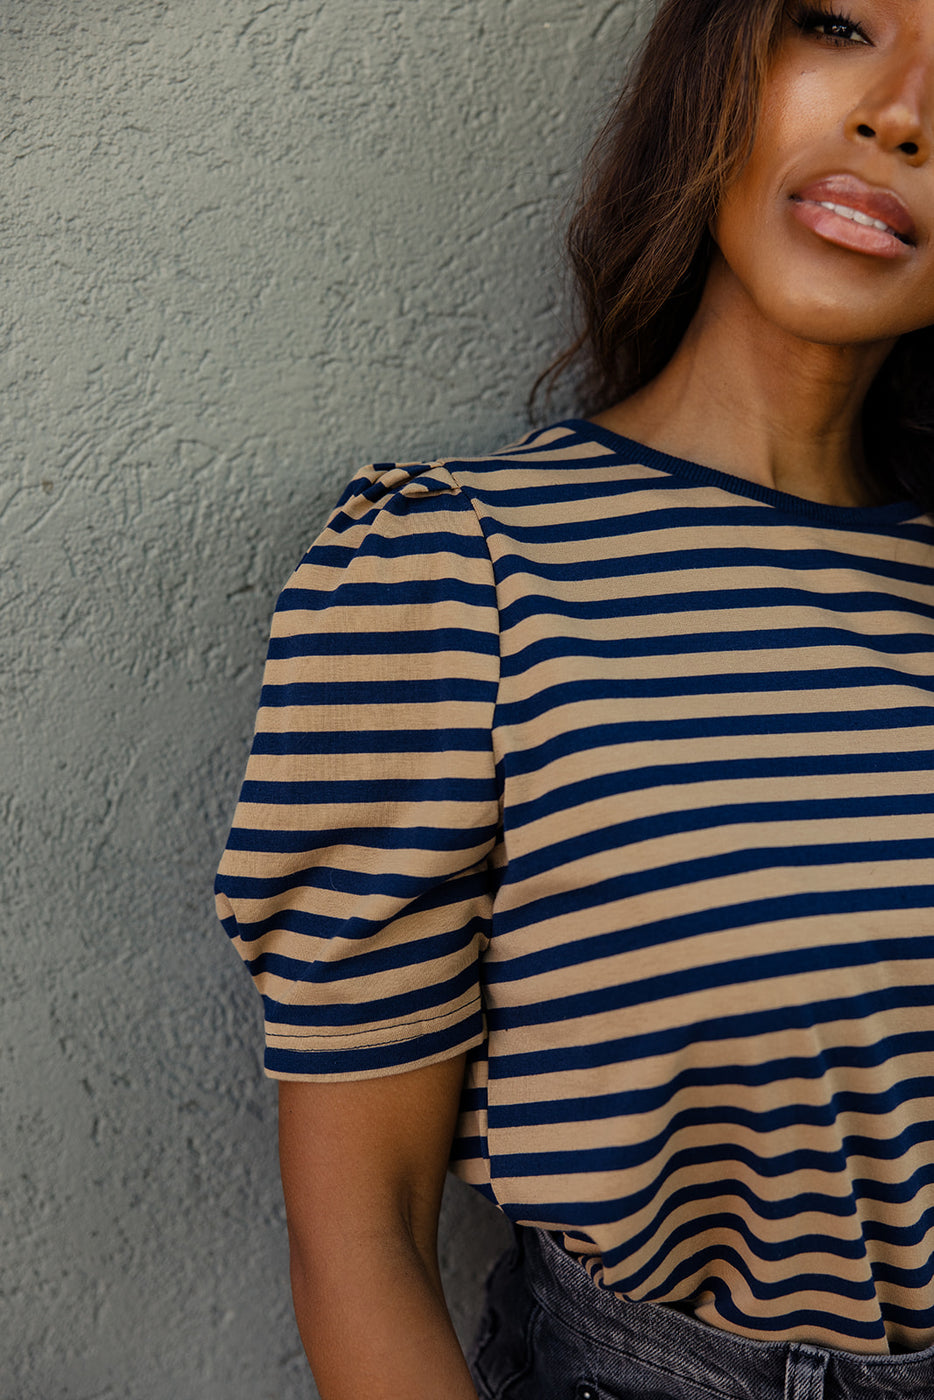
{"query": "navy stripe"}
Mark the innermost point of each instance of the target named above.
(676, 1039)
(721, 865)
(379, 790)
(621, 1158)
(326, 742)
(359, 927)
(585, 738)
(690, 601)
(648, 1100)
(792, 1320)
(737, 972)
(369, 962)
(411, 1002)
(623, 647)
(814, 809)
(701, 559)
(393, 885)
(404, 546)
(395, 594)
(616, 690)
(384, 643)
(376, 693)
(740, 520)
(808, 904)
(596, 1214)
(640, 779)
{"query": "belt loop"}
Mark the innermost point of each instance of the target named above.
(804, 1374)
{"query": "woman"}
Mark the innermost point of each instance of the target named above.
(590, 822)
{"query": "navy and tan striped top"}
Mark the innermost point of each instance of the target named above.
(617, 772)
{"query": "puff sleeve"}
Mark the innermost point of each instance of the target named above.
(356, 881)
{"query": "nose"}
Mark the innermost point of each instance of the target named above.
(896, 113)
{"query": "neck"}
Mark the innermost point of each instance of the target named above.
(748, 398)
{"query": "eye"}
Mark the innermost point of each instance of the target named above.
(837, 29)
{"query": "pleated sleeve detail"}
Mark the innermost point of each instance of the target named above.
(356, 881)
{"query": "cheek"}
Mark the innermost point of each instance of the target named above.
(745, 227)
(801, 120)
(755, 193)
(803, 105)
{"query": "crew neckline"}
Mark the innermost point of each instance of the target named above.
(893, 513)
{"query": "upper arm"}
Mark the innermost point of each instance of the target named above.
(367, 1155)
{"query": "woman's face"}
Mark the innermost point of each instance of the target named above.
(829, 228)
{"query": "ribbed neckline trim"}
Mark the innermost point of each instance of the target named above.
(859, 517)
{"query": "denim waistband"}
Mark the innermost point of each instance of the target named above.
(722, 1362)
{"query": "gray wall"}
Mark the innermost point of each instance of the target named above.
(247, 246)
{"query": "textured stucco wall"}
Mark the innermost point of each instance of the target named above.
(247, 245)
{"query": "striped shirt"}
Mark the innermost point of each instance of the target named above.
(616, 771)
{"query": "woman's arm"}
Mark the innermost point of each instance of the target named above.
(363, 1166)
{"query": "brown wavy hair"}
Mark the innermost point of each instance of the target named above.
(680, 130)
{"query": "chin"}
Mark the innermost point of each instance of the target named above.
(832, 319)
(811, 300)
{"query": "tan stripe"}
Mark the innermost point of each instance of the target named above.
(722, 662)
(647, 1071)
(696, 896)
(706, 1005)
(574, 1089)
(642, 1128)
(303, 719)
(415, 1061)
(368, 859)
(384, 1032)
(719, 622)
(301, 817)
(337, 905)
(354, 670)
(387, 767)
(670, 582)
(662, 851)
(387, 618)
(628, 758)
(801, 1332)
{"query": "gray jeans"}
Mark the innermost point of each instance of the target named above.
(548, 1334)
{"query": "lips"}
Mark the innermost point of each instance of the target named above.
(850, 192)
